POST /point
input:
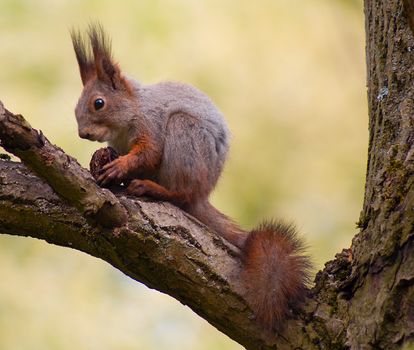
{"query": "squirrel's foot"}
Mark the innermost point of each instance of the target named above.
(151, 189)
(139, 188)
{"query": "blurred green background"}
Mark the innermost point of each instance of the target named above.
(289, 75)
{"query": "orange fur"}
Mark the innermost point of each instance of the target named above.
(275, 273)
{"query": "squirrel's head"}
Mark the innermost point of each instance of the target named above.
(108, 100)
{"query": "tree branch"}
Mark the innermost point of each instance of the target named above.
(158, 244)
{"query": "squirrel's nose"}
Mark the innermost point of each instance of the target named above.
(84, 134)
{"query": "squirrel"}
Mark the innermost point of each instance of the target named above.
(172, 143)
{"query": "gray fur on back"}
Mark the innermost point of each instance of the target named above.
(193, 131)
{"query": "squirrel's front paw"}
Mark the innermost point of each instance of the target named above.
(114, 172)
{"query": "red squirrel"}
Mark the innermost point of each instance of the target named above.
(173, 142)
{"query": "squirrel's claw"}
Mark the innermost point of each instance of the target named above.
(114, 172)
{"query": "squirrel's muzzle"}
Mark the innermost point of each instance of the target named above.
(84, 135)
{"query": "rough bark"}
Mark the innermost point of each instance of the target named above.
(364, 299)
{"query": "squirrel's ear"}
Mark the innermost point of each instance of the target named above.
(83, 56)
(109, 72)
(106, 70)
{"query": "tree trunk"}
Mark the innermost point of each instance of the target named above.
(381, 314)
(364, 299)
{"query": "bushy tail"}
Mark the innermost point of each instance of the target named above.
(275, 270)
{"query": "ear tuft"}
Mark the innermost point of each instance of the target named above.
(100, 41)
(83, 56)
(106, 70)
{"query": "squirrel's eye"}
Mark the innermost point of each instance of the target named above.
(99, 103)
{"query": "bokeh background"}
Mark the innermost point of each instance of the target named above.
(289, 75)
